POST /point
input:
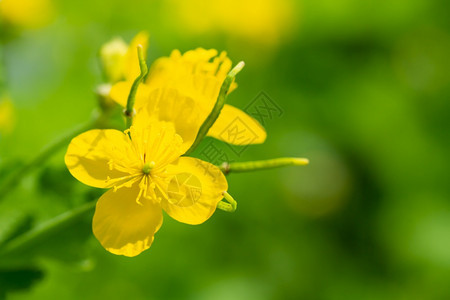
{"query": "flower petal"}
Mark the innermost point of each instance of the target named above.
(194, 190)
(97, 155)
(120, 91)
(234, 126)
(132, 69)
(171, 105)
(190, 83)
(198, 73)
(123, 226)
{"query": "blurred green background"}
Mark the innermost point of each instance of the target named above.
(363, 91)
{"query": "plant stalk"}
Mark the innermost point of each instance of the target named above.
(250, 166)
(129, 110)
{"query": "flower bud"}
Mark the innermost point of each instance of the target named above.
(112, 57)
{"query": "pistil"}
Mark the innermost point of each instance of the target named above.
(148, 167)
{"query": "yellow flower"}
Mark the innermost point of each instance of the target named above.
(198, 75)
(264, 22)
(119, 60)
(26, 13)
(146, 174)
(7, 116)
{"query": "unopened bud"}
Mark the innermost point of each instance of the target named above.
(112, 56)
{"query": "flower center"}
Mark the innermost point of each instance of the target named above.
(148, 167)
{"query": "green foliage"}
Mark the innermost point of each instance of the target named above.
(364, 89)
(18, 279)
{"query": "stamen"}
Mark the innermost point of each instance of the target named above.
(158, 141)
(119, 166)
(127, 183)
(160, 188)
(110, 181)
(111, 164)
(142, 189)
(150, 188)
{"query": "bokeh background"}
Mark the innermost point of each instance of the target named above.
(361, 88)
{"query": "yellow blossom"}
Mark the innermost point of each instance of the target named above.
(264, 22)
(26, 13)
(146, 174)
(198, 74)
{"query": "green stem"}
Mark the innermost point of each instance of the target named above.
(230, 205)
(221, 99)
(250, 166)
(129, 110)
(12, 180)
(34, 236)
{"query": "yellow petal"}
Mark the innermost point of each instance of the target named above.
(194, 189)
(132, 69)
(197, 73)
(234, 126)
(171, 105)
(123, 226)
(97, 155)
(120, 91)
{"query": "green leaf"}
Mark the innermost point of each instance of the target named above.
(12, 224)
(60, 237)
(18, 279)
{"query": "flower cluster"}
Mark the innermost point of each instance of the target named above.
(146, 167)
(183, 89)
